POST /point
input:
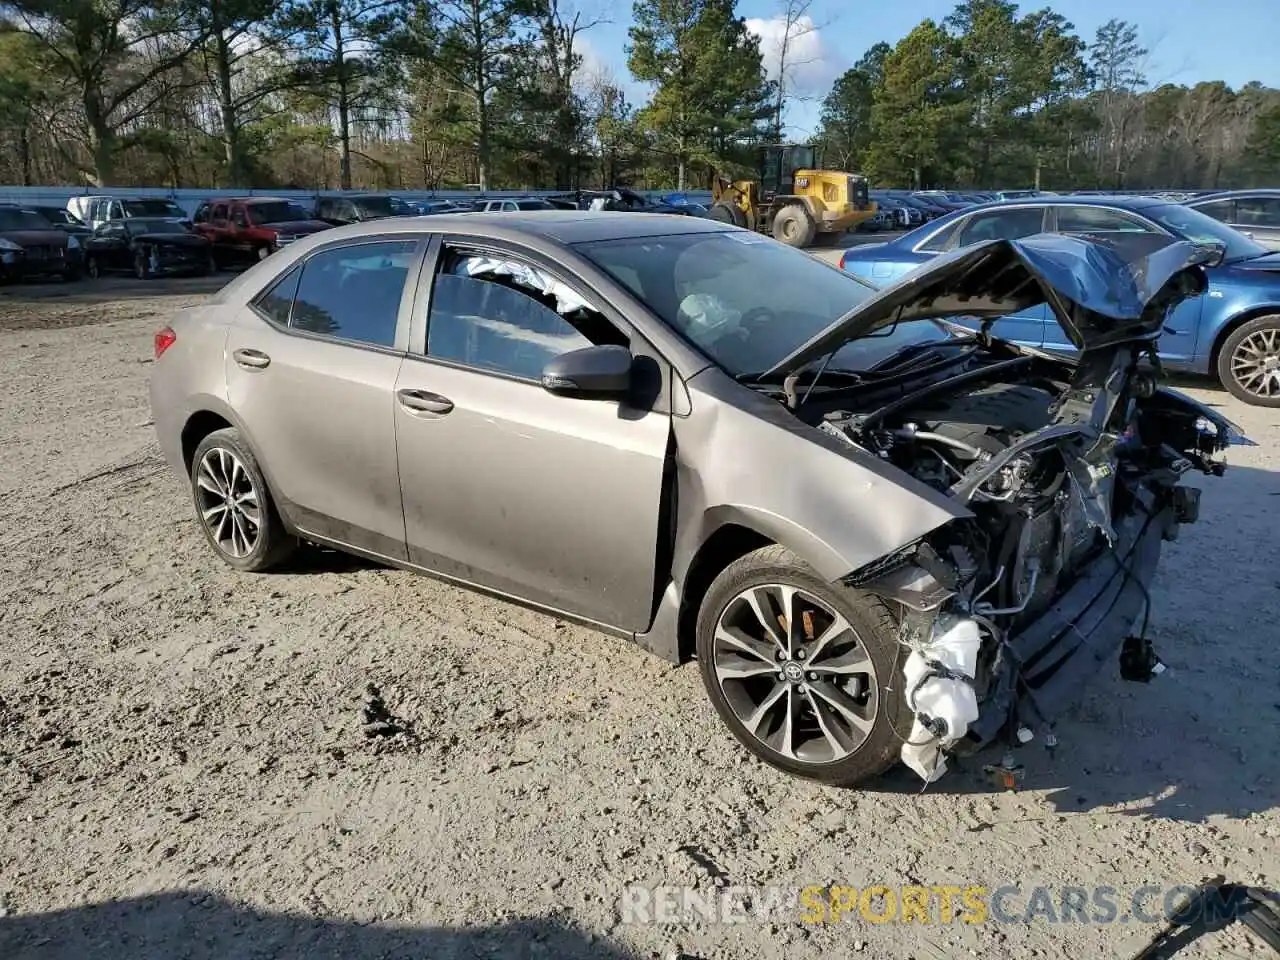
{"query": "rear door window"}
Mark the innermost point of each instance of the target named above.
(1011, 224)
(353, 292)
(1223, 210)
(276, 302)
(938, 242)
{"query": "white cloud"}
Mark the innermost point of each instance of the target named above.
(811, 68)
(592, 63)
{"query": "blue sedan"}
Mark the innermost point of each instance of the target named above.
(1232, 330)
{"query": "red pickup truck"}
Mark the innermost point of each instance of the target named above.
(252, 228)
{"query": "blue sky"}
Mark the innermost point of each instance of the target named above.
(1190, 40)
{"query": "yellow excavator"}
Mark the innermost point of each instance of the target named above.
(793, 199)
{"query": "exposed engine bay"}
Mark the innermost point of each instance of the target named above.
(1071, 473)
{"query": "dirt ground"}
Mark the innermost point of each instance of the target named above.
(183, 771)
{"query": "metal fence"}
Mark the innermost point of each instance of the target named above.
(189, 199)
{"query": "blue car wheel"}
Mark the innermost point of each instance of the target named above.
(1249, 362)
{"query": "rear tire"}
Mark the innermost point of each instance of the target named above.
(1249, 362)
(855, 669)
(793, 226)
(234, 507)
(727, 213)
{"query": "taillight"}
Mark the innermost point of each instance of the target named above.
(165, 338)
(842, 256)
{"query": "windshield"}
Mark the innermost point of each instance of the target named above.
(56, 215)
(276, 211)
(139, 227)
(1202, 228)
(744, 300)
(377, 206)
(12, 219)
(153, 208)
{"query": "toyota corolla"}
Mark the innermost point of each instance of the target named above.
(882, 537)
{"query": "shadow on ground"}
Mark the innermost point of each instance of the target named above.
(195, 925)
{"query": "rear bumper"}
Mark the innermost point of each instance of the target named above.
(1061, 651)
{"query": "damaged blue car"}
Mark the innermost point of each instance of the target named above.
(1231, 330)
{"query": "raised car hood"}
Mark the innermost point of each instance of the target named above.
(1099, 294)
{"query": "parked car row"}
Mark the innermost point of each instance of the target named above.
(149, 236)
(32, 246)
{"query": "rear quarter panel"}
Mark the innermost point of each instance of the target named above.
(190, 377)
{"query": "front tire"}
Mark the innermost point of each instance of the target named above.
(1249, 362)
(94, 268)
(793, 226)
(142, 266)
(234, 507)
(803, 672)
(725, 212)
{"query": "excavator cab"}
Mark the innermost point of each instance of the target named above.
(793, 198)
(778, 166)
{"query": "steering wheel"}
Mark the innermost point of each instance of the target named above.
(754, 315)
(747, 325)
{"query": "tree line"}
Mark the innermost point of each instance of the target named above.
(414, 94)
(991, 98)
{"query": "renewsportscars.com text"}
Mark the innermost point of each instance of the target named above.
(882, 904)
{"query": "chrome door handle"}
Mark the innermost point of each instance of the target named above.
(251, 359)
(423, 401)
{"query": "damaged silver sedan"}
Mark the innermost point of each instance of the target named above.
(882, 536)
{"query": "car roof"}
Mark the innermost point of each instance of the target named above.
(1236, 194)
(1089, 200)
(562, 226)
(251, 200)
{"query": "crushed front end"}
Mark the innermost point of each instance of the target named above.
(1073, 471)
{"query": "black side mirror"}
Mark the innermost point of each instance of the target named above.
(592, 372)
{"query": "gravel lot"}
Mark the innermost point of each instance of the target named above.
(183, 771)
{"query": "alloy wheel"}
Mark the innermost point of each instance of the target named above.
(1255, 363)
(230, 508)
(795, 673)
